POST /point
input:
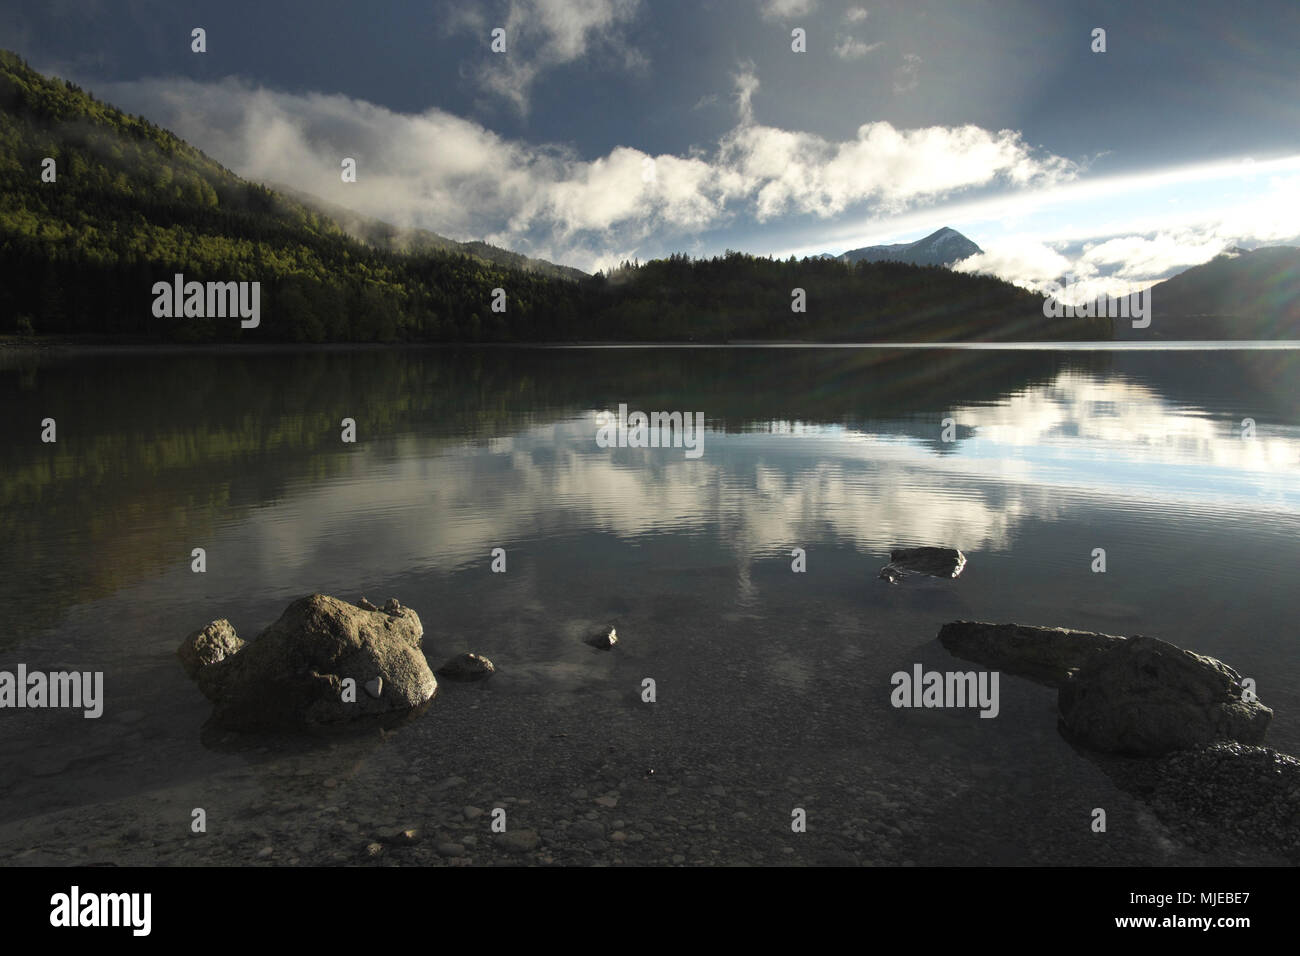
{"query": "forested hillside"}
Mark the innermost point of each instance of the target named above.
(132, 205)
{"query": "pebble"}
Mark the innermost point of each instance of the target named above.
(472, 813)
(587, 830)
(519, 841)
(451, 849)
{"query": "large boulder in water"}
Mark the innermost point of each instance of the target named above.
(1049, 655)
(292, 674)
(1148, 697)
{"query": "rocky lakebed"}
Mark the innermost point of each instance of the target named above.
(339, 744)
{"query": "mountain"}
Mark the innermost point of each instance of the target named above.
(126, 206)
(1236, 295)
(385, 236)
(941, 248)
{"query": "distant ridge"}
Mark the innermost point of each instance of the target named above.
(940, 248)
(1236, 295)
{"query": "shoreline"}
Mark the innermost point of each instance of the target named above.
(13, 345)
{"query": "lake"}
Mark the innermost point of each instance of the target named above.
(772, 686)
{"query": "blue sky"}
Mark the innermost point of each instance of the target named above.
(614, 129)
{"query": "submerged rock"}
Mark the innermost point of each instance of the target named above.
(467, 667)
(1230, 792)
(1048, 655)
(292, 674)
(605, 638)
(208, 645)
(932, 562)
(1148, 697)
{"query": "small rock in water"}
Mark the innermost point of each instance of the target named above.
(932, 562)
(375, 688)
(467, 667)
(366, 605)
(405, 837)
(605, 638)
(392, 606)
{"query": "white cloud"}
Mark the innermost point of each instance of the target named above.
(855, 15)
(1113, 265)
(794, 172)
(853, 49)
(437, 171)
(785, 9)
(1114, 234)
(906, 77)
(1033, 263)
(543, 34)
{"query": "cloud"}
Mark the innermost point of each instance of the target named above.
(437, 171)
(1114, 234)
(746, 85)
(906, 76)
(1115, 266)
(1118, 265)
(785, 9)
(855, 15)
(852, 49)
(802, 173)
(543, 34)
(1033, 263)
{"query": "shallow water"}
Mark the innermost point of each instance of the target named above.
(772, 686)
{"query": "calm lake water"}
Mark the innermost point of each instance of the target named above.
(772, 686)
